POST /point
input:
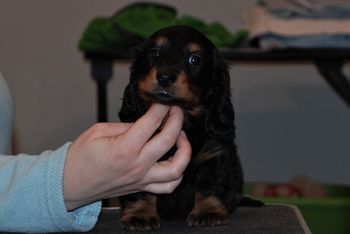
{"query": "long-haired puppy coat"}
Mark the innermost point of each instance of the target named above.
(180, 66)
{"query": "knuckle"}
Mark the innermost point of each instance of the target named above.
(99, 128)
(175, 173)
(138, 172)
(169, 188)
(126, 147)
(127, 151)
(168, 140)
(187, 151)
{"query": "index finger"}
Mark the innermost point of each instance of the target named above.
(173, 168)
(143, 129)
(161, 143)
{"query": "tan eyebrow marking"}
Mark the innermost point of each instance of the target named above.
(161, 40)
(193, 47)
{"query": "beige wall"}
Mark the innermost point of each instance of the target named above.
(288, 121)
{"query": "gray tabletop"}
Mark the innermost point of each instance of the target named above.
(268, 219)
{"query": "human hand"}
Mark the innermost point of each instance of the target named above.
(114, 159)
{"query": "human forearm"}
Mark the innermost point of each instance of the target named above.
(31, 196)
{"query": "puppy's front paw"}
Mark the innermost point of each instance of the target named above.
(140, 221)
(208, 211)
(140, 215)
(208, 218)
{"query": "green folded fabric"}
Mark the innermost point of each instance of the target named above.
(134, 23)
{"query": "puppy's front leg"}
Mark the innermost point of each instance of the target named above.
(218, 183)
(139, 212)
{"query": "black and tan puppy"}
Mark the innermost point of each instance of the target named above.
(180, 66)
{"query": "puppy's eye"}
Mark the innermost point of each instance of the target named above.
(155, 52)
(194, 60)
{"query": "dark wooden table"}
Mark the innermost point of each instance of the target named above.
(267, 219)
(329, 63)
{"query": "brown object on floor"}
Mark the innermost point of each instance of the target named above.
(299, 186)
(275, 190)
(309, 187)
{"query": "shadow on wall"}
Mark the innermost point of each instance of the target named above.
(276, 145)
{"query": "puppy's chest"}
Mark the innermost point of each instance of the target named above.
(197, 138)
(193, 125)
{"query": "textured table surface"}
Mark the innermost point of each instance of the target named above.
(268, 219)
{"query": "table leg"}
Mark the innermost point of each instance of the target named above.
(101, 71)
(331, 71)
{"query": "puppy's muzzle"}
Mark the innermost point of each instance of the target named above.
(166, 80)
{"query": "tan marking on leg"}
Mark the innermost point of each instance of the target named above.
(141, 215)
(208, 211)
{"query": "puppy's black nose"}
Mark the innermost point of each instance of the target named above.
(166, 80)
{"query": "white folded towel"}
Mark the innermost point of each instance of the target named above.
(259, 21)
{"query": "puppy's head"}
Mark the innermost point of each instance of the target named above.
(178, 65)
(174, 67)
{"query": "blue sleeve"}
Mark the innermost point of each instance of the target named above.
(31, 195)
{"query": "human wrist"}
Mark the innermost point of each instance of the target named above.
(78, 189)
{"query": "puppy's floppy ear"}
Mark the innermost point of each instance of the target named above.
(132, 107)
(136, 51)
(219, 121)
